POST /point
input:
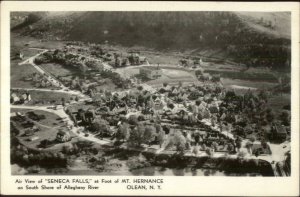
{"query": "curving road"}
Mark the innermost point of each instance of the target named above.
(62, 114)
(280, 149)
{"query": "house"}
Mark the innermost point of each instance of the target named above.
(30, 131)
(151, 72)
(278, 132)
(24, 97)
(20, 55)
(258, 149)
(14, 98)
(63, 136)
(119, 110)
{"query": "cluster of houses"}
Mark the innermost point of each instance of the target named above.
(132, 59)
(185, 107)
(16, 98)
(42, 81)
(180, 109)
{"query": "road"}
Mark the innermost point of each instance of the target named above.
(62, 114)
(280, 150)
(49, 77)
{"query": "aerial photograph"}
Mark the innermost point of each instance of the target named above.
(150, 93)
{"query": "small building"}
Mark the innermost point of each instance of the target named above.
(151, 72)
(14, 98)
(63, 136)
(278, 132)
(258, 149)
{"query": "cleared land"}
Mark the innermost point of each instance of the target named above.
(47, 128)
(58, 70)
(46, 97)
(18, 73)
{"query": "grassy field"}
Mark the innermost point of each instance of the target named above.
(20, 42)
(228, 83)
(258, 76)
(52, 120)
(162, 59)
(58, 70)
(277, 102)
(46, 97)
(48, 128)
(18, 72)
(49, 96)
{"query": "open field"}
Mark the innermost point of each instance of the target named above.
(19, 42)
(157, 58)
(229, 83)
(277, 102)
(52, 120)
(46, 97)
(58, 70)
(17, 73)
(258, 76)
(47, 128)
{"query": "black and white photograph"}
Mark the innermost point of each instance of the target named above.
(151, 93)
(149, 98)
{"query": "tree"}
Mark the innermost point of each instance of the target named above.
(264, 143)
(285, 118)
(171, 106)
(63, 101)
(238, 143)
(149, 134)
(32, 18)
(196, 136)
(215, 146)
(123, 132)
(179, 141)
(209, 151)
(230, 148)
(270, 115)
(136, 137)
(45, 143)
(241, 154)
(140, 88)
(249, 146)
(161, 137)
(196, 150)
(100, 125)
(133, 120)
(263, 95)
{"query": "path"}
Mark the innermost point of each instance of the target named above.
(49, 77)
(280, 150)
(62, 114)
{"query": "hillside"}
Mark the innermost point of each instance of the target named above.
(255, 39)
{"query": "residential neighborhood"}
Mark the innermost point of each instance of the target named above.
(117, 108)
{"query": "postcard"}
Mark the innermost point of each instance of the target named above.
(150, 98)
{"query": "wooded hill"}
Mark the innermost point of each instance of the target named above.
(255, 39)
